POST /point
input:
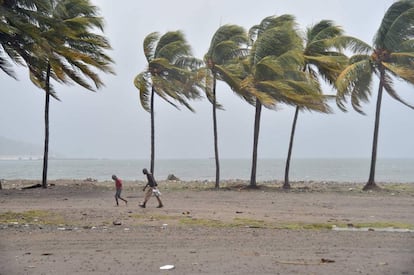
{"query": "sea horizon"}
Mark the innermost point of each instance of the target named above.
(203, 169)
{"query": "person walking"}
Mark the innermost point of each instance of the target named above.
(153, 190)
(118, 187)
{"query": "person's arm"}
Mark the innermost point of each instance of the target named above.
(145, 187)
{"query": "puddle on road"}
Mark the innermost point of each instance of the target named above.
(365, 229)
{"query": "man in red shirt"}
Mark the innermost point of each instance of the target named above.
(118, 186)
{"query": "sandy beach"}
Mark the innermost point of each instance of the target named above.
(74, 227)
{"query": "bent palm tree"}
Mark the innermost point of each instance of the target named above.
(226, 45)
(67, 50)
(392, 56)
(274, 72)
(169, 75)
(257, 53)
(322, 53)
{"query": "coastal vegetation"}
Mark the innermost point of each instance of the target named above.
(55, 39)
(169, 75)
(228, 44)
(270, 64)
(391, 57)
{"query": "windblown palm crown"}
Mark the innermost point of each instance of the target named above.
(391, 57)
(169, 70)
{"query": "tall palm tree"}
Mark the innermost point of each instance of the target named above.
(169, 75)
(324, 42)
(274, 72)
(67, 50)
(228, 43)
(391, 57)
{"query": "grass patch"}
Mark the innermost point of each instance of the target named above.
(252, 223)
(307, 226)
(243, 222)
(202, 222)
(31, 217)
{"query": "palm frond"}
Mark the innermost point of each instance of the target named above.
(324, 29)
(404, 72)
(275, 41)
(142, 83)
(253, 93)
(150, 42)
(396, 26)
(387, 83)
(226, 42)
(171, 46)
(40, 83)
(355, 80)
(407, 45)
(403, 58)
(167, 89)
(321, 37)
(269, 22)
(329, 67)
(6, 67)
(355, 45)
(189, 62)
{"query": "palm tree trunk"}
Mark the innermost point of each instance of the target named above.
(152, 132)
(46, 146)
(286, 184)
(371, 181)
(216, 151)
(255, 143)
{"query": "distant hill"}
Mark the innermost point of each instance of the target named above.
(13, 149)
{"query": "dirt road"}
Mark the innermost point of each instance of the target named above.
(75, 228)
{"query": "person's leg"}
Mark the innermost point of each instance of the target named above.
(126, 202)
(157, 195)
(119, 196)
(159, 202)
(147, 196)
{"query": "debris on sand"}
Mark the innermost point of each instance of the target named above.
(172, 177)
(167, 267)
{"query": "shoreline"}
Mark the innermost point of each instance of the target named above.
(234, 184)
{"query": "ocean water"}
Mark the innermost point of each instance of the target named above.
(340, 170)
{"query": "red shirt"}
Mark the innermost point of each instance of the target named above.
(118, 184)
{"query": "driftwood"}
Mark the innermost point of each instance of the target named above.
(38, 185)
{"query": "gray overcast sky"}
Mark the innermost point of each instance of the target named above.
(112, 124)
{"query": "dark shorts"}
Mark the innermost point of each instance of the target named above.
(118, 193)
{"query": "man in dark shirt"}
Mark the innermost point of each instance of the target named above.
(153, 189)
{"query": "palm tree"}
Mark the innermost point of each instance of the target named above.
(169, 75)
(67, 50)
(228, 43)
(274, 72)
(324, 42)
(391, 57)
